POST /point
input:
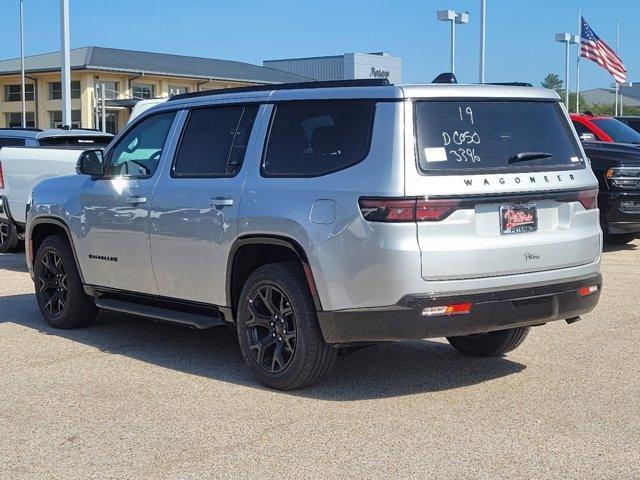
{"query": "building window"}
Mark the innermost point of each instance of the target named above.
(13, 93)
(144, 90)
(55, 90)
(111, 89)
(177, 90)
(55, 118)
(14, 119)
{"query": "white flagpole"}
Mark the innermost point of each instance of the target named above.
(578, 63)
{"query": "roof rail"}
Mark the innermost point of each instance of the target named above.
(510, 84)
(373, 82)
(26, 129)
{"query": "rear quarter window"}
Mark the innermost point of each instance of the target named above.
(309, 139)
(485, 136)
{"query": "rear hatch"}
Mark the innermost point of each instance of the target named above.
(502, 187)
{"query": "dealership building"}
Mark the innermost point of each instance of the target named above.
(342, 67)
(126, 75)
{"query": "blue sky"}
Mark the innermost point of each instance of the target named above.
(520, 43)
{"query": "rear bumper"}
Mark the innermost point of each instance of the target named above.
(495, 310)
(621, 211)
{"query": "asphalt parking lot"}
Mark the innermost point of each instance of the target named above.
(130, 398)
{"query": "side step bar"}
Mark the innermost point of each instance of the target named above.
(194, 320)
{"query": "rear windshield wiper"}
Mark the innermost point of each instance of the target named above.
(525, 156)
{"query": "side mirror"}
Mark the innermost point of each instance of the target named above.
(587, 137)
(91, 162)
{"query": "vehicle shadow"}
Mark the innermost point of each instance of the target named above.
(619, 248)
(381, 371)
(14, 262)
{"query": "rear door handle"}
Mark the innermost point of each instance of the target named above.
(135, 200)
(220, 202)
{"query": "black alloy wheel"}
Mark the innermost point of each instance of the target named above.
(52, 282)
(271, 328)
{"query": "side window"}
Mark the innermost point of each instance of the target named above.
(11, 142)
(316, 138)
(214, 141)
(137, 154)
(580, 128)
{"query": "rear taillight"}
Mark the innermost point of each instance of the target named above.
(1, 177)
(588, 198)
(406, 209)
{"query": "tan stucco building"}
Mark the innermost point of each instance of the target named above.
(127, 76)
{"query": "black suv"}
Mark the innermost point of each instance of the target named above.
(617, 166)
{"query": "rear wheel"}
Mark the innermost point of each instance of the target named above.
(491, 344)
(59, 290)
(8, 237)
(278, 329)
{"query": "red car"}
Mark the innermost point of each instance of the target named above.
(603, 129)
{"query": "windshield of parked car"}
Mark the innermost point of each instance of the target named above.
(618, 131)
(493, 135)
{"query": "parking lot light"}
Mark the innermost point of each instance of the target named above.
(454, 17)
(567, 39)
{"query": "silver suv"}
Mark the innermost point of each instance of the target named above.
(319, 216)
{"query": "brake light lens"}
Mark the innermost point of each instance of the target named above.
(588, 198)
(393, 210)
(585, 291)
(1, 177)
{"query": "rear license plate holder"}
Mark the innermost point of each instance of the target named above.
(521, 218)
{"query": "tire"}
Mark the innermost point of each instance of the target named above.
(278, 329)
(8, 237)
(619, 239)
(59, 291)
(491, 344)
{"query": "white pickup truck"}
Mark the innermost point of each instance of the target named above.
(28, 156)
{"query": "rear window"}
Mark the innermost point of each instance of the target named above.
(88, 141)
(618, 131)
(309, 139)
(493, 136)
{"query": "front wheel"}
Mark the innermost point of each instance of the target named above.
(59, 290)
(490, 344)
(278, 329)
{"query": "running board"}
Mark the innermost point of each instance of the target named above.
(194, 320)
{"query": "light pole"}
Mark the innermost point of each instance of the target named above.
(22, 81)
(453, 17)
(483, 28)
(567, 39)
(65, 62)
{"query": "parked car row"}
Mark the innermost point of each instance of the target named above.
(322, 215)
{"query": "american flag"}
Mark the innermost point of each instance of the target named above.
(596, 50)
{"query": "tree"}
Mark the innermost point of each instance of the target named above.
(552, 82)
